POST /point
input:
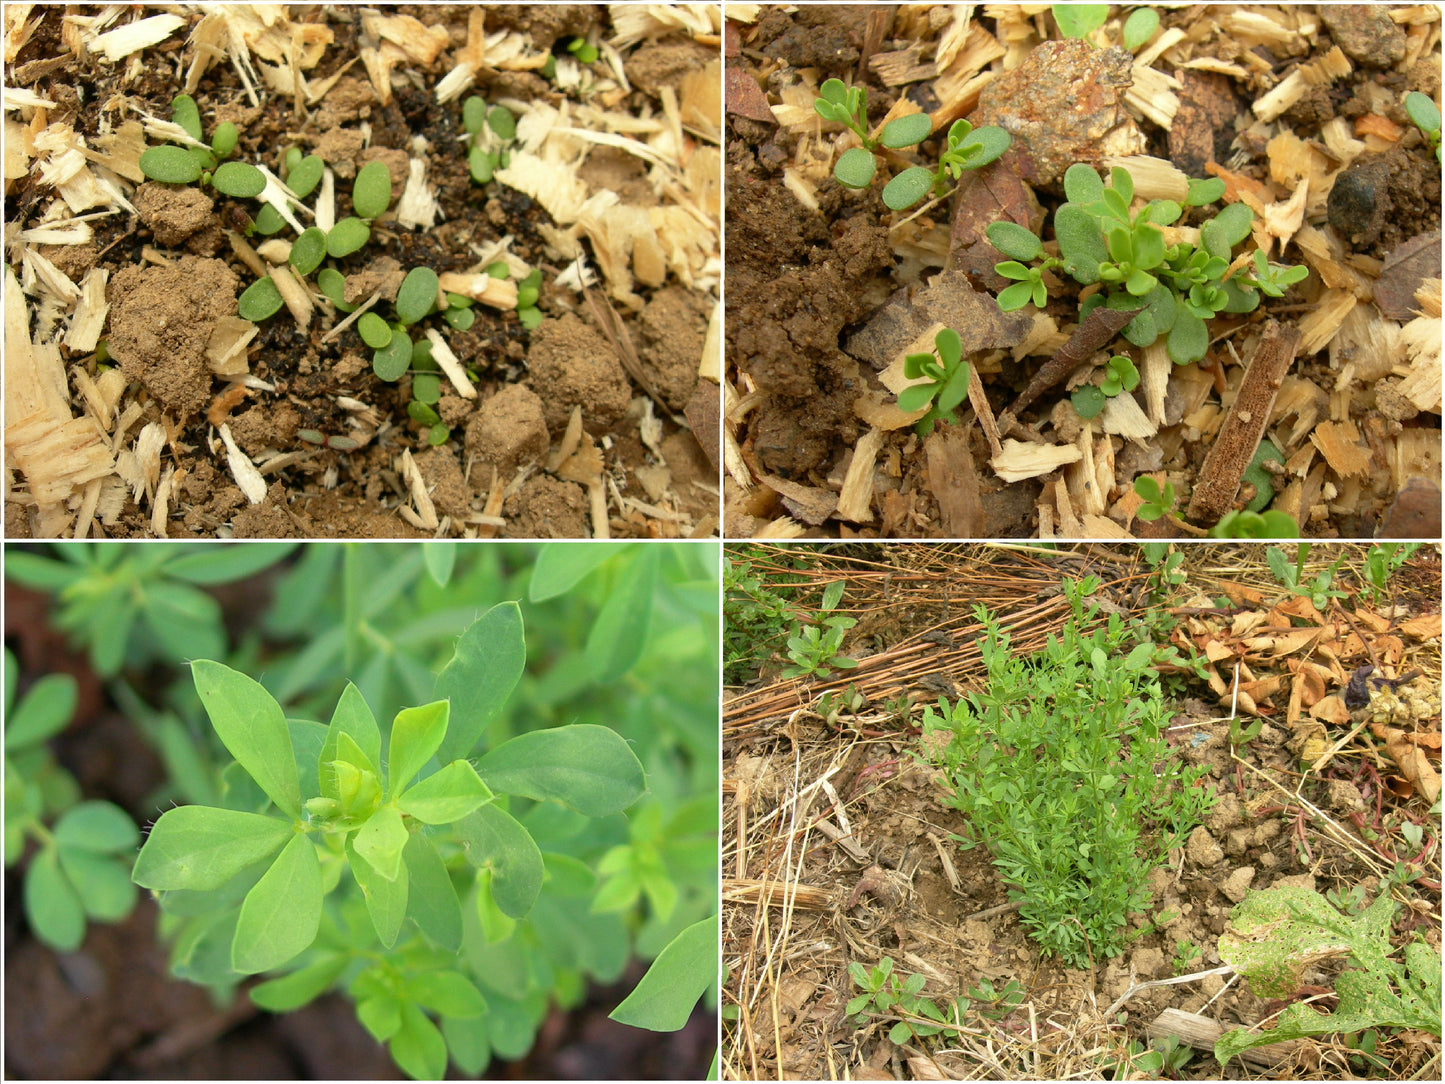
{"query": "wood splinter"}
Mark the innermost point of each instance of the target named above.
(1097, 330)
(1244, 426)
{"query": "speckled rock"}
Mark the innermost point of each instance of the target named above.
(1365, 32)
(1063, 104)
(1237, 883)
(1202, 850)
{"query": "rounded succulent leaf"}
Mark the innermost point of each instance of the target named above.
(1015, 297)
(309, 250)
(501, 122)
(333, 285)
(463, 319)
(1088, 401)
(913, 365)
(268, 221)
(371, 191)
(239, 179)
(1015, 241)
(950, 346)
(187, 114)
(481, 164)
(392, 360)
(426, 388)
(1081, 242)
(170, 165)
(417, 295)
(1082, 185)
(374, 331)
(834, 91)
(1122, 182)
(223, 139)
(421, 412)
(1140, 282)
(1226, 229)
(306, 175)
(955, 390)
(916, 397)
(990, 142)
(259, 301)
(906, 189)
(474, 114)
(1188, 338)
(1148, 246)
(906, 131)
(1204, 191)
(1421, 109)
(1139, 27)
(1080, 20)
(347, 236)
(855, 168)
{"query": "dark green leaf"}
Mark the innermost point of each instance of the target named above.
(308, 251)
(906, 131)
(187, 114)
(371, 191)
(907, 188)
(1014, 241)
(391, 361)
(347, 236)
(494, 840)
(226, 563)
(303, 179)
(252, 726)
(46, 709)
(432, 900)
(259, 301)
(417, 296)
(561, 565)
(664, 998)
(238, 179)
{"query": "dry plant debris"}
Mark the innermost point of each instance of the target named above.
(214, 425)
(1296, 108)
(836, 845)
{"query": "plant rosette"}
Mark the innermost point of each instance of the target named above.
(941, 381)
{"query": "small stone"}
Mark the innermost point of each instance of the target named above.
(1359, 202)
(1299, 880)
(1202, 850)
(1365, 32)
(571, 363)
(172, 214)
(1236, 842)
(1237, 883)
(1344, 797)
(1148, 962)
(506, 432)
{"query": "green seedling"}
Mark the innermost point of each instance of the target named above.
(1186, 955)
(1274, 936)
(1426, 114)
(1043, 744)
(1157, 502)
(585, 53)
(757, 619)
(490, 131)
(946, 381)
(1120, 375)
(1163, 1060)
(77, 871)
(965, 147)
(171, 164)
(814, 650)
(887, 994)
(1291, 575)
(1382, 561)
(1242, 523)
(1179, 287)
(1081, 20)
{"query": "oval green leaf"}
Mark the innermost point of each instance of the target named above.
(390, 362)
(97, 826)
(855, 168)
(584, 767)
(494, 840)
(906, 131)
(1015, 241)
(484, 668)
(282, 912)
(906, 189)
(259, 301)
(374, 331)
(170, 165)
(306, 176)
(200, 848)
(417, 295)
(238, 179)
(308, 251)
(253, 728)
(371, 191)
(664, 998)
(347, 236)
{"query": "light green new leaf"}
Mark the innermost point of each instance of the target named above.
(353, 718)
(446, 796)
(664, 997)
(386, 898)
(282, 912)
(433, 905)
(253, 728)
(200, 848)
(584, 767)
(446, 993)
(493, 839)
(416, 733)
(109, 894)
(481, 674)
(620, 632)
(52, 906)
(380, 1015)
(561, 565)
(47, 707)
(418, 1047)
(380, 841)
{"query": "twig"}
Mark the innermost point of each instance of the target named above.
(1098, 328)
(1001, 909)
(1127, 994)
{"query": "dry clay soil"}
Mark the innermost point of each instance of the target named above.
(788, 962)
(827, 287)
(509, 467)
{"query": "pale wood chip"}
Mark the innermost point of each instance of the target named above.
(448, 363)
(1339, 443)
(119, 43)
(1020, 460)
(247, 477)
(855, 503)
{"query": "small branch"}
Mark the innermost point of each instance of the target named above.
(1097, 330)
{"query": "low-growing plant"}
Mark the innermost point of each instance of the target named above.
(888, 994)
(946, 383)
(170, 163)
(1081, 20)
(1118, 375)
(78, 870)
(1275, 935)
(1157, 502)
(1243, 523)
(757, 618)
(1178, 286)
(1382, 561)
(965, 147)
(1162, 1060)
(1186, 955)
(1073, 735)
(1426, 114)
(1291, 575)
(813, 649)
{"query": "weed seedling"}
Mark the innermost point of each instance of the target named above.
(1179, 286)
(1081, 20)
(889, 995)
(1119, 375)
(814, 650)
(1157, 502)
(1382, 561)
(944, 381)
(965, 147)
(172, 164)
(1186, 955)
(1426, 114)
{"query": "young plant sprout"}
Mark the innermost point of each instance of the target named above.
(1179, 286)
(1426, 115)
(171, 164)
(947, 383)
(1120, 375)
(965, 146)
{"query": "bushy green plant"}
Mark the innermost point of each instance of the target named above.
(1426, 115)
(546, 891)
(814, 649)
(965, 147)
(1382, 561)
(946, 385)
(78, 870)
(1073, 736)
(756, 617)
(1178, 286)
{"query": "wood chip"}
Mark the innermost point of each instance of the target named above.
(447, 361)
(247, 477)
(1020, 460)
(954, 482)
(1339, 443)
(855, 503)
(1244, 425)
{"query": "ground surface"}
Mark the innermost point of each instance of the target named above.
(152, 272)
(800, 905)
(827, 288)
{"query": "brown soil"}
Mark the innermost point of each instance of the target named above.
(837, 842)
(144, 455)
(804, 281)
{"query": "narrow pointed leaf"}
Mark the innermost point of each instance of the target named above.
(252, 726)
(386, 898)
(282, 912)
(432, 900)
(447, 795)
(416, 733)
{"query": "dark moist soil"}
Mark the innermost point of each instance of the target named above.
(803, 282)
(161, 316)
(111, 1011)
(893, 898)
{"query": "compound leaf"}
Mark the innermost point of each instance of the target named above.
(52, 906)
(96, 826)
(282, 912)
(584, 767)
